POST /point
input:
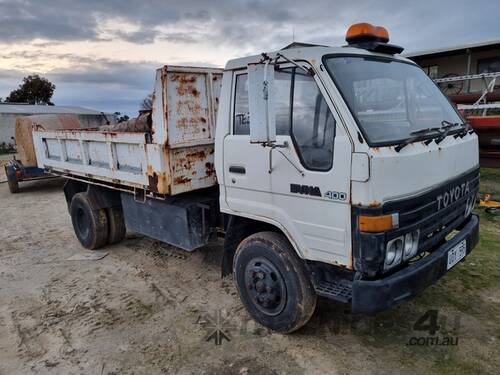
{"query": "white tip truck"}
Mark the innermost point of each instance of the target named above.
(340, 172)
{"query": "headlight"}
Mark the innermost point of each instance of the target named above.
(401, 248)
(394, 252)
(411, 244)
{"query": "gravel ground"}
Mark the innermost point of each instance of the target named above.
(149, 308)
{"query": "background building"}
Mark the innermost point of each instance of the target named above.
(461, 60)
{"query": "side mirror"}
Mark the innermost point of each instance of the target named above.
(261, 103)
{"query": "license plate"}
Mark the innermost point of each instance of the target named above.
(456, 254)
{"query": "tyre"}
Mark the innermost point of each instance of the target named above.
(116, 224)
(12, 181)
(13, 185)
(273, 283)
(91, 226)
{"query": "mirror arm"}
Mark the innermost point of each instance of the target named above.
(284, 145)
(307, 70)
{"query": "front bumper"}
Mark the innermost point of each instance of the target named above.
(371, 296)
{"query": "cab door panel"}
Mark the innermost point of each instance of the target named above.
(311, 205)
(248, 192)
(322, 223)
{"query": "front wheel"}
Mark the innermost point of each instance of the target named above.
(273, 283)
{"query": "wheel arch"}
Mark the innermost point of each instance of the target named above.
(240, 227)
(99, 197)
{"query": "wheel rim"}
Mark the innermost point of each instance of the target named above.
(265, 286)
(82, 223)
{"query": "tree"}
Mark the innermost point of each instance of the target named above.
(33, 90)
(147, 103)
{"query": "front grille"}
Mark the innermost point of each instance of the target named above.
(424, 213)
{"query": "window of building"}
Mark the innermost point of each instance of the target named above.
(490, 65)
(431, 71)
(312, 124)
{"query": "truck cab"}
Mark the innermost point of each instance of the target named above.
(365, 167)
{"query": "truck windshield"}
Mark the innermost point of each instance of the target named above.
(390, 99)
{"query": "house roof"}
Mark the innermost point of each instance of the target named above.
(454, 50)
(6, 108)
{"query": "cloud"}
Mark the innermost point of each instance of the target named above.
(104, 53)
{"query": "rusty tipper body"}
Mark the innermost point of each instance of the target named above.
(175, 156)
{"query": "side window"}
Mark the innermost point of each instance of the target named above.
(282, 87)
(313, 125)
(241, 114)
(282, 83)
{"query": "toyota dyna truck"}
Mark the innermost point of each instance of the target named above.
(342, 173)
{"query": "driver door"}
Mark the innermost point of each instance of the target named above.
(306, 190)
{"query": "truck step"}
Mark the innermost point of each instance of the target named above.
(337, 291)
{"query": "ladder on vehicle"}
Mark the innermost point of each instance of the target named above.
(480, 103)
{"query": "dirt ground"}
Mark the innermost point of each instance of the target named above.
(149, 308)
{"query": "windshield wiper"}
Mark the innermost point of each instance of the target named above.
(440, 132)
(466, 128)
(426, 131)
(416, 135)
(406, 142)
(438, 129)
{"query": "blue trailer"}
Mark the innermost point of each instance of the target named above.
(16, 172)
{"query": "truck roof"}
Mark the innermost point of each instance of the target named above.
(311, 53)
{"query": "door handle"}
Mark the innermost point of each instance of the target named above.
(237, 169)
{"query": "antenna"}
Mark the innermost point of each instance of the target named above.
(293, 34)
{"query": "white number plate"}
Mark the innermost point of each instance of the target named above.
(456, 254)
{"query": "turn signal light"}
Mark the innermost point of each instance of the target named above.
(380, 223)
(366, 31)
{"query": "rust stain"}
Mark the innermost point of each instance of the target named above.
(186, 84)
(183, 78)
(209, 169)
(188, 107)
(375, 203)
(153, 182)
(194, 156)
(182, 180)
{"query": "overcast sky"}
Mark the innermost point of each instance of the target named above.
(102, 54)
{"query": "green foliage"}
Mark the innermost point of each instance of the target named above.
(33, 90)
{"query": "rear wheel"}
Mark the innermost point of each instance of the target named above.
(116, 224)
(91, 226)
(273, 283)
